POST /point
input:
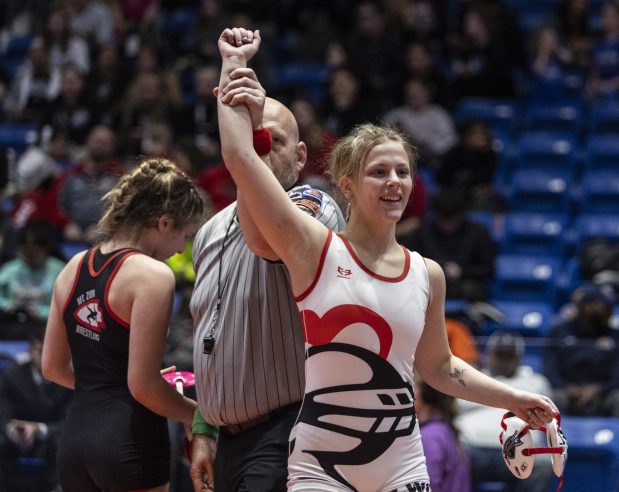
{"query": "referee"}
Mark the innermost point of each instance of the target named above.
(248, 339)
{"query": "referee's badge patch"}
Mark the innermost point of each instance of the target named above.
(312, 194)
(310, 206)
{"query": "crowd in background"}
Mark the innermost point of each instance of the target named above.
(103, 82)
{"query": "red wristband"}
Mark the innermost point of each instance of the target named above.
(262, 141)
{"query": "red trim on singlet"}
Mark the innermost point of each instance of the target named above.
(77, 276)
(91, 266)
(321, 264)
(399, 278)
(108, 308)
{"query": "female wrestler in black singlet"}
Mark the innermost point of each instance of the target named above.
(106, 333)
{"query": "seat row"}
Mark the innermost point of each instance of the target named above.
(570, 118)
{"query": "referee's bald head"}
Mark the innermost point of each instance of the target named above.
(274, 111)
(288, 154)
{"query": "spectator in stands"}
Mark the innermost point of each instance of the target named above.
(198, 119)
(84, 185)
(582, 359)
(480, 425)
(26, 283)
(603, 82)
(336, 55)
(429, 125)
(461, 247)
(461, 342)
(210, 21)
(149, 61)
(157, 140)
(572, 21)
(92, 20)
(471, 165)
(37, 197)
(548, 66)
(480, 65)
(447, 459)
(5, 82)
(318, 140)
(31, 413)
(344, 104)
(136, 20)
(425, 20)
(107, 83)
(65, 48)
(71, 112)
(415, 210)
(34, 85)
(375, 52)
(422, 63)
(147, 101)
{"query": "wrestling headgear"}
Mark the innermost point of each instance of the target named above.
(519, 453)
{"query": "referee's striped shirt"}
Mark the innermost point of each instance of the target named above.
(257, 361)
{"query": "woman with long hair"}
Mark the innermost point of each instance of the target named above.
(106, 332)
(371, 309)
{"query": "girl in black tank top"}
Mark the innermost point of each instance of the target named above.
(106, 332)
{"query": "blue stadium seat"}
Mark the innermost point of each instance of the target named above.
(558, 119)
(179, 22)
(311, 76)
(569, 279)
(593, 454)
(614, 319)
(70, 249)
(526, 278)
(539, 190)
(545, 150)
(454, 306)
(491, 221)
(546, 7)
(18, 46)
(501, 116)
(599, 191)
(12, 351)
(592, 226)
(17, 136)
(529, 318)
(604, 119)
(534, 233)
(602, 152)
(531, 20)
(15, 54)
(427, 177)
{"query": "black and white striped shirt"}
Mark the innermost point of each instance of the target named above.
(257, 362)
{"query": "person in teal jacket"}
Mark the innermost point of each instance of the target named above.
(26, 282)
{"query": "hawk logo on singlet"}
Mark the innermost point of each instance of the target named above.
(383, 400)
(343, 272)
(89, 316)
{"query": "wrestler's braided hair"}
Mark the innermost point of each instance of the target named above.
(155, 187)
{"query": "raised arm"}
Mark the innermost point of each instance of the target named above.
(295, 237)
(244, 88)
(451, 375)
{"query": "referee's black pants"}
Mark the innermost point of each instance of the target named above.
(255, 460)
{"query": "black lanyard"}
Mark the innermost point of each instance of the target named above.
(209, 340)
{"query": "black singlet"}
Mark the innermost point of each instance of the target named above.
(109, 441)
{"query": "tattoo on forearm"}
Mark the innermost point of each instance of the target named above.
(458, 375)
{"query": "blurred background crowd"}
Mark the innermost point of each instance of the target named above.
(513, 105)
